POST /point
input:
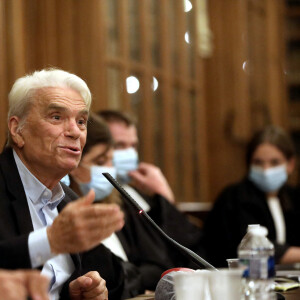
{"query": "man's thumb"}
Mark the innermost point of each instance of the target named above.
(88, 198)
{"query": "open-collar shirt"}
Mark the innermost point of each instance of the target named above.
(42, 204)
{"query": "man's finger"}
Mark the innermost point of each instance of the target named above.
(98, 289)
(88, 199)
(37, 286)
(137, 176)
(78, 285)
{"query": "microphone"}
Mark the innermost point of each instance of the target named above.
(184, 250)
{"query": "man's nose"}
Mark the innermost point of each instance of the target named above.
(72, 130)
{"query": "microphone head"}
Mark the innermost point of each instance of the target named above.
(165, 287)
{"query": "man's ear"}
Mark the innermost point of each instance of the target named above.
(15, 132)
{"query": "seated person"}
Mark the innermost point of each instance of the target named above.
(137, 242)
(147, 184)
(21, 284)
(40, 224)
(262, 197)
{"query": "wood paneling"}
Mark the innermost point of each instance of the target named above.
(197, 123)
(244, 83)
(3, 75)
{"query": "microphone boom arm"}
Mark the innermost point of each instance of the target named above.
(192, 255)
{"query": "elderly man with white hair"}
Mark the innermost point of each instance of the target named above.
(40, 224)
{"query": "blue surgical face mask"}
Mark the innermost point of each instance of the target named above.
(99, 183)
(269, 180)
(66, 180)
(125, 161)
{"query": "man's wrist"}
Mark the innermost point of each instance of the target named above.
(39, 247)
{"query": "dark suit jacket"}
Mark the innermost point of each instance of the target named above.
(15, 226)
(241, 204)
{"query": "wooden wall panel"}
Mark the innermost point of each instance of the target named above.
(228, 101)
(15, 38)
(225, 159)
(3, 75)
(241, 100)
(168, 140)
(276, 90)
(185, 127)
(147, 109)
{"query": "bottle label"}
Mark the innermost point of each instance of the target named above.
(258, 268)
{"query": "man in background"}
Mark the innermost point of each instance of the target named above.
(146, 178)
(147, 184)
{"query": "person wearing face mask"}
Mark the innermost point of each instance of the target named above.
(143, 253)
(147, 185)
(263, 197)
(144, 180)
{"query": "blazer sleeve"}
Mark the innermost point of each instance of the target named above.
(15, 253)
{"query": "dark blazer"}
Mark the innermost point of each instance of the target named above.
(16, 224)
(241, 204)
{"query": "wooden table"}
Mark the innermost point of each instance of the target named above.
(289, 295)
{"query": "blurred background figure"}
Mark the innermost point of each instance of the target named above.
(21, 284)
(262, 197)
(147, 184)
(144, 254)
(143, 177)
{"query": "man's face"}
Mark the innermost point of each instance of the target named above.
(124, 136)
(54, 132)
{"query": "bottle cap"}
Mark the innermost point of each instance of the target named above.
(251, 226)
(260, 230)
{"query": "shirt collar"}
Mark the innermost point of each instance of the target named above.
(38, 193)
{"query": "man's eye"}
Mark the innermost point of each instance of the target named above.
(56, 117)
(82, 122)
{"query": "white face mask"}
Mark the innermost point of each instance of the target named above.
(269, 180)
(66, 180)
(99, 183)
(125, 161)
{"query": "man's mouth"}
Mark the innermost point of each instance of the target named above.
(72, 148)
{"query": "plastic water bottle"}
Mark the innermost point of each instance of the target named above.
(256, 257)
(247, 235)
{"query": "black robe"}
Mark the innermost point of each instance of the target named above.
(242, 204)
(151, 253)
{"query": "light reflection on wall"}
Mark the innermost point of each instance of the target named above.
(133, 84)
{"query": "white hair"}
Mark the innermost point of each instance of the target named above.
(20, 96)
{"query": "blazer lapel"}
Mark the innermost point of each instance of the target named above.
(16, 189)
